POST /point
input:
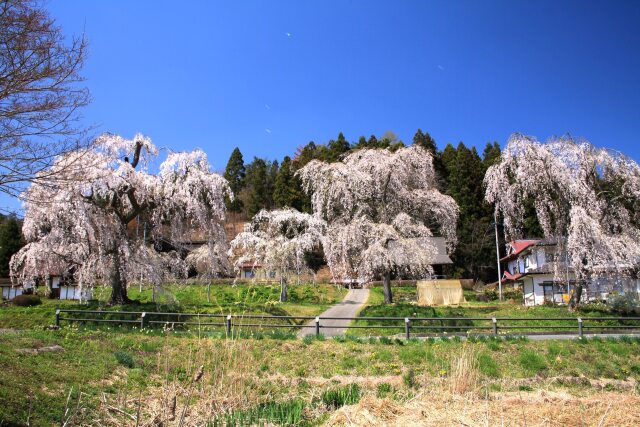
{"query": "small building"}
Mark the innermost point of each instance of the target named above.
(534, 265)
(11, 290)
(257, 272)
(74, 291)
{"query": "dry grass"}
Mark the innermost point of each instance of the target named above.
(463, 375)
(530, 409)
(212, 382)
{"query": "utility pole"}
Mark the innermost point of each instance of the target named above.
(495, 224)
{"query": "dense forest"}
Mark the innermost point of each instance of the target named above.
(269, 184)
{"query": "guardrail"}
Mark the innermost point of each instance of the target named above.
(407, 325)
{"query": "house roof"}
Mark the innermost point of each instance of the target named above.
(517, 246)
(511, 277)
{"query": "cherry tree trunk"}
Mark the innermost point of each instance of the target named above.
(283, 290)
(574, 302)
(118, 286)
(386, 286)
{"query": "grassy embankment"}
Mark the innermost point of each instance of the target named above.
(404, 306)
(304, 300)
(115, 378)
(125, 376)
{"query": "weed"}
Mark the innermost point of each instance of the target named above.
(338, 397)
(385, 340)
(278, 413)
(383, 390)
(124, 358)
(488, 366)
(409, 378)
(531, 362)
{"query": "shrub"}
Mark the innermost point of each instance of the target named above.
(27, 300)
(489, 294)
(625, 305)
(512, 294)
(338, 397)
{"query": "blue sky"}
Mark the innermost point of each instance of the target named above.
(269, 76)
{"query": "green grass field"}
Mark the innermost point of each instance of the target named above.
(304, 300)
(109, 375)
(405, 306)
(118, 367)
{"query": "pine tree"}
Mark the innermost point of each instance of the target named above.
(337, 148)
(235, 173)
(10, 242)
(474, 256)
(491, 154)
(288, 188)
(255, 197)
(425, 141)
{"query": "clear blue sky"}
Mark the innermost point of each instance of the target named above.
(269, 76)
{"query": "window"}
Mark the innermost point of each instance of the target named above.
(549, 257)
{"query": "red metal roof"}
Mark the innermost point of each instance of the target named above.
(512, 277)
(517, 246)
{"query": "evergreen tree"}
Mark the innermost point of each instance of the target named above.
(288, 188)
(474, 256)
(10, 242)
(491, 154)
(425, 141)
(257, 177)
(362, 142)
(336, 148)
(235, 173)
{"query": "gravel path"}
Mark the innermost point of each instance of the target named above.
(349, 307)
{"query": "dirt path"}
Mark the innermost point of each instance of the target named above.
(349, 307)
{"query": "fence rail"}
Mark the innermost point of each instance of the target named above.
(575, 325)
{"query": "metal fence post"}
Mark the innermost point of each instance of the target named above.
(407, 328)
(229, 324)
(580, 333)
(142, 320)
(317, 326)
(58, 318)
(494, 321)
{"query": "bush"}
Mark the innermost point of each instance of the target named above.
(27, 300)
(512, 294)
(625, 305)
(489, 294)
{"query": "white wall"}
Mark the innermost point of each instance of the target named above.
(75, 293)
(10, 292)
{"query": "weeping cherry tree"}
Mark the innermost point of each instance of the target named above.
(586, 198)
(278, 241)
(381, 207)
(85, 223)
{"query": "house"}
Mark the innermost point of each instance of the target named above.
(535, 265)
(63, 287)
(9, 290)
